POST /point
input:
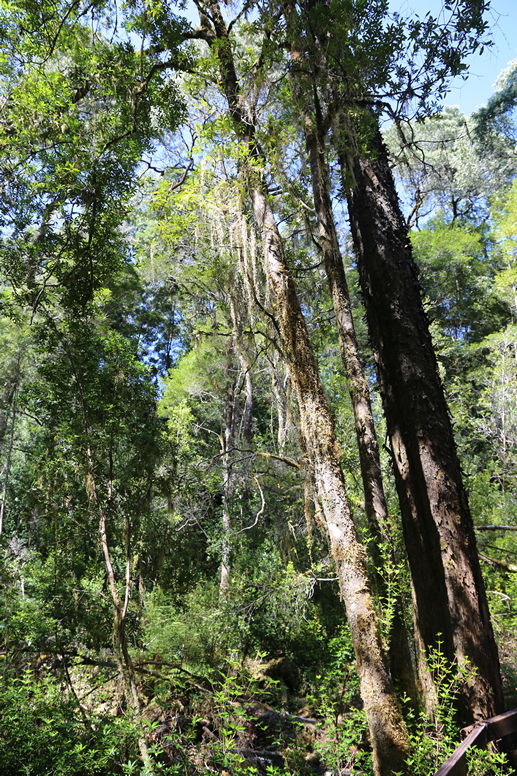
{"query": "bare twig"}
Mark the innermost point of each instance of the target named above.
(261, 510)
(508, 567)
(496, 527)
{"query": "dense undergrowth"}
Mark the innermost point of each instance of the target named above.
(207, 707)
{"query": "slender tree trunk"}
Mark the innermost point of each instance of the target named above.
(6, 402)
(246, 421)
(9, 402)
(449, 592)
(281, 402)
(7, 468)
(236, 425)
(385, 723)
(387, 730)
(226, 445)
(120, 606)
(374, 498)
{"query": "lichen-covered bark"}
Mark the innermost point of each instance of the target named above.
(375, 501)
(376, 510)
(385, 723)
(387, 730)
(448, 587)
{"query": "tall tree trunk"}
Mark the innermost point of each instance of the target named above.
(374, 498)
(387, 730)
(6, 472)
(226, 459)
(246, 421)
(7, 399)
(449, 592)
(8, 417)
(385, 723)
(281, 400)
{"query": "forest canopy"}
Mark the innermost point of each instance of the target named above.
(258, 389)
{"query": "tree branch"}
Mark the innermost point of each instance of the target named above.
(496, 527)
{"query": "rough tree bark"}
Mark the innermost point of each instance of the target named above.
(449, 593)
(226, 462)
(387, 730)
(374, 497)
(371, 473)
(385, 722)
(8, 416)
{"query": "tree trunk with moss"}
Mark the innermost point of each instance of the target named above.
(385, 723)
(374, 498)
(387, 730)
(449, 593)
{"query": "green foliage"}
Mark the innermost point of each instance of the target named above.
(188, 634)
(268, 611)
(42, 732)
(107, 286)
(457, 276)
(343, 740)
(505, 235)
(231, 720)
(434, 739)
(343, 745)
(76, 121)
(395, 579)
(482, 762)
(199, 374)
(445, 172)
(496, 118)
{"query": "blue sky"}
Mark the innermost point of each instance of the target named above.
(474, 92)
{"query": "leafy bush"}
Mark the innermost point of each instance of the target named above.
(42, 733)
(269, 610)
(434, 739)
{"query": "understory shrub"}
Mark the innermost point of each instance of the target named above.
(433, 739)
(42, 732)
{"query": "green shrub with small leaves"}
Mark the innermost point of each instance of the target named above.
(433, 740)
(42, 733)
